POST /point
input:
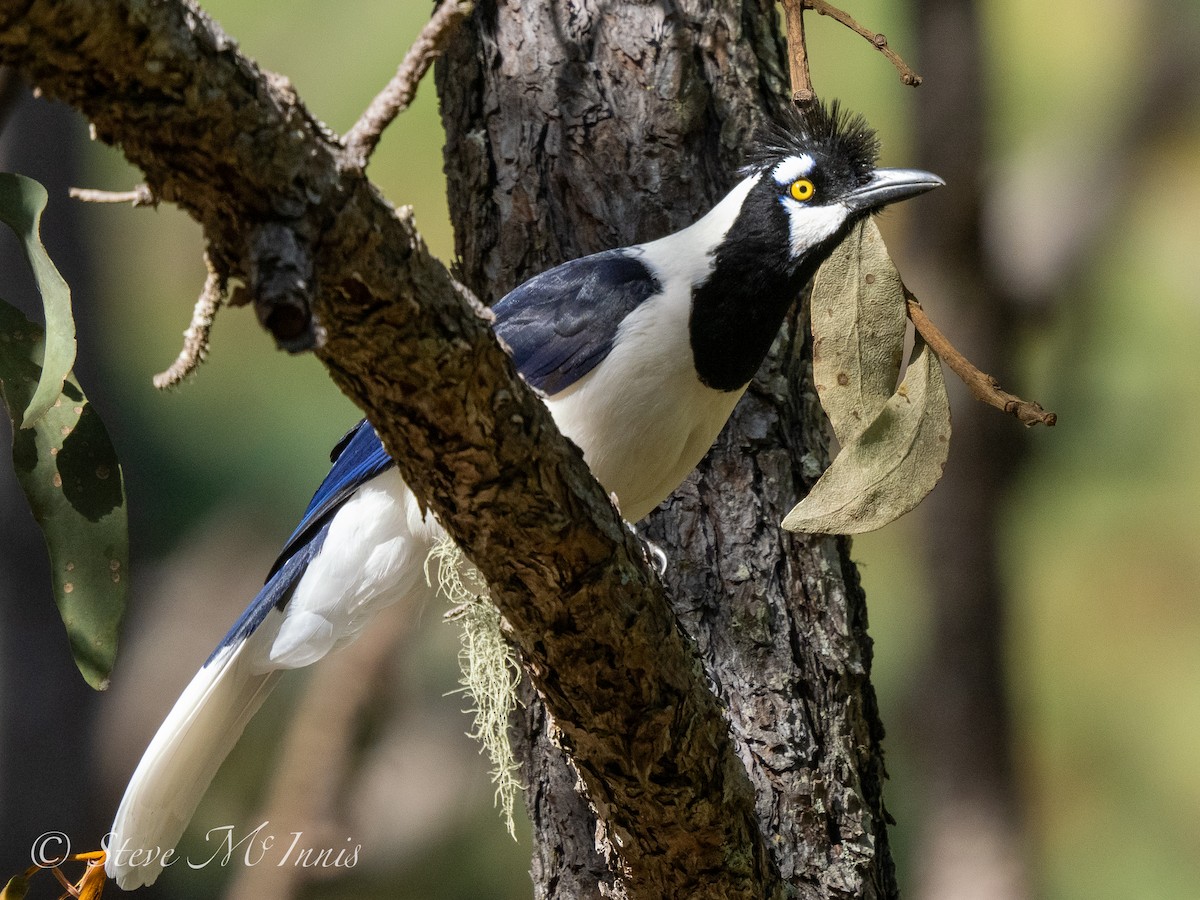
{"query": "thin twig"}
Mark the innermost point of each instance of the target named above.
(907, 75)
(62, 879)
(139, 196)
(361, 140)
(195, 338)
(802, 89)
(981, 385)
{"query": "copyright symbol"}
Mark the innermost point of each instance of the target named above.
(50, 849)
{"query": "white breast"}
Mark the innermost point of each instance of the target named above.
(643, 419)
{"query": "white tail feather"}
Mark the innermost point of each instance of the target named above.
(175, 771)
(371, 557)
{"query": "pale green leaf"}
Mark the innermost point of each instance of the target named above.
(16, 889)
(891, 466)
(858, 324)
(21, 203)
(68, 469)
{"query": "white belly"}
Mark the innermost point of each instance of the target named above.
(642, 433)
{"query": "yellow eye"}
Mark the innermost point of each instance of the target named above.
(802, 190)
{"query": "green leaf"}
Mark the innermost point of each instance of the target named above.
(889, 468)
(858, 323)
(69, 472)
(21, 203)
(16, 889)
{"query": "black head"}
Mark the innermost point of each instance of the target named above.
(843, 146)
(818, 168)
(806, 182)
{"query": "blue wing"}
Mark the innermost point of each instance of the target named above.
(561, 324)
(558, 326)
(357, 458)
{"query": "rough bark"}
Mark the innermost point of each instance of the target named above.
(572, 129)
(282, 210)
(667, 95)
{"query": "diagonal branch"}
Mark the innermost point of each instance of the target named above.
(163, 82)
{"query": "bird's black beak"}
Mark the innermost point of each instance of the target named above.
(888, 186)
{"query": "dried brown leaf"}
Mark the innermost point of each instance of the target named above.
(889, 468)
(858, 324)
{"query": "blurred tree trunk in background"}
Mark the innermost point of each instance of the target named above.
(970, 843)
(973, 842)
(46, 708)
(571, 129)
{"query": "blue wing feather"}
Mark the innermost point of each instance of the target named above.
(558, 326)
(561, 324)
(358, 457)
(275, 592)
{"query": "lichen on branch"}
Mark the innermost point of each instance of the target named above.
(236, 149)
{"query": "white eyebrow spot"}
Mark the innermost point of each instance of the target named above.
(792, 168)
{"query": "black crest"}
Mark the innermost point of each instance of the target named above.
(834, 136)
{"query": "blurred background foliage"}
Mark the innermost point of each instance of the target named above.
(1100, 538)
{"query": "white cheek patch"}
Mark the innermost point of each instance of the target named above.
(809, 225)
(792, 168)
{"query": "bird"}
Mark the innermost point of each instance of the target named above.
(640, 353)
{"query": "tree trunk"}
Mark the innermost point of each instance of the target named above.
(573, 129)
(971, 844)
(569, 129)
